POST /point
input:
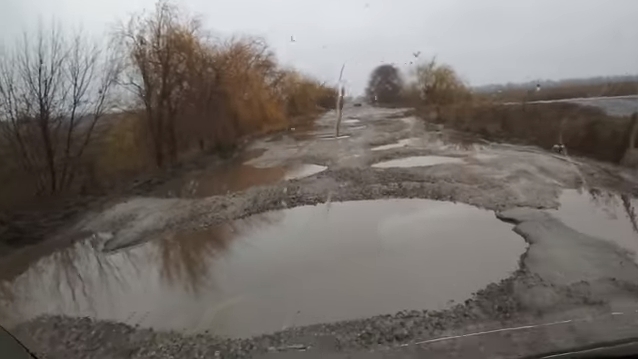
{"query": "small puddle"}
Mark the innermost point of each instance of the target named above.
(221, 180)
(303, 170)
(332, 137)
(233, 178)
(401, 143)
(601, 214)
(417, 161)
(278, 269)
(356, 128)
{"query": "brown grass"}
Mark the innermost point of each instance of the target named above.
(584, 130)
(566, 91)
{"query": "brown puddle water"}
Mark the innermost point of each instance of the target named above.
(279, 269)
(401, 143)
(601, 214)
(233, 178)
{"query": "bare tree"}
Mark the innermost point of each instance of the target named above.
(385, 84)
(91, 75)
(156, 71)
(52, 93)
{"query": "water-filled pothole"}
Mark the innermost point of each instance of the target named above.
(601, 214)
(356, 128)
(417, 161)
(221, 180)
(233, 178)
(401, 143)
(303, 170)
(298, 266)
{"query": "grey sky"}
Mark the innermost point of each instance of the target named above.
(487, 41)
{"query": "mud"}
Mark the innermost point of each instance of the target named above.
(565, 273)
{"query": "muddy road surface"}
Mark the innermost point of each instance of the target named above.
(398, 238)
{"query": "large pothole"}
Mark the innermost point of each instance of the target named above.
(279, 269)
(601, 214)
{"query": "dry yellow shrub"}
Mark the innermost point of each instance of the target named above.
(201, 93)
(123, 149)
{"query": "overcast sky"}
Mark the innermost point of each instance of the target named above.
(487, 41)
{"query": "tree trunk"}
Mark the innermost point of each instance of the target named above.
(634, 130)
(172, 140)
(339, 107)
(50, 156)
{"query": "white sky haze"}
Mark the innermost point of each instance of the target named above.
(486, 41)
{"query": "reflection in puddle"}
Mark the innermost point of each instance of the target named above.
(401, 143)
(221, 180)
(233, 178)
(600, 214)
(303, 170)
(417, 161)
(294, 267)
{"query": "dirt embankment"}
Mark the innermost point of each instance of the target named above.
(584, 130)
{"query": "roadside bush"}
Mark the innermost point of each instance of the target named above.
(200, 93)
(122, 151)
(564, 91)
(165, 92)
(436, 85)
(440, 96)
(385, 85)
(584, 130)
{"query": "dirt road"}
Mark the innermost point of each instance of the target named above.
(563, 272)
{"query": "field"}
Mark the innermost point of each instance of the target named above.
(585, 130)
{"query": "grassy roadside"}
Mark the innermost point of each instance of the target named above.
(585, 131)
(439, 95)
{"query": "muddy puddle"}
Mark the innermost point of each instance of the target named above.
(233, 178)
(279, 269)
(399, 144)
(417, 161)
(600, 214)
(303, 170)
